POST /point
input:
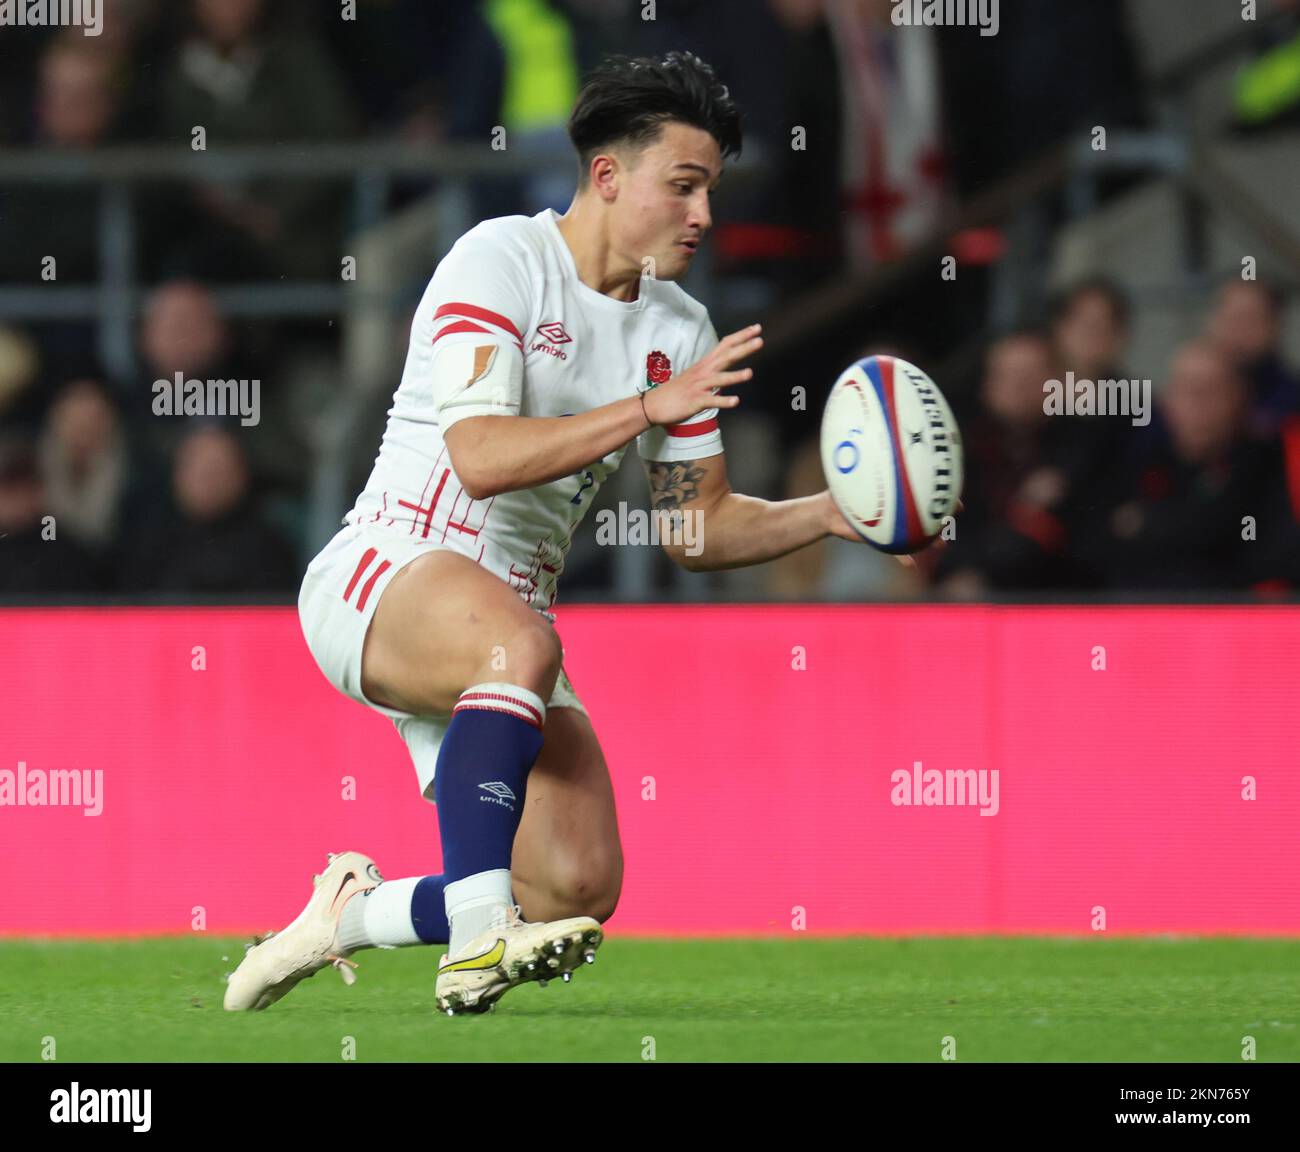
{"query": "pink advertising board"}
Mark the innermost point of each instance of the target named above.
(855, 769)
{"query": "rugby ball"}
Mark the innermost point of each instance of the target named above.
(891, 451)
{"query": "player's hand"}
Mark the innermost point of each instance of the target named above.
(838, 526)
(696, 389)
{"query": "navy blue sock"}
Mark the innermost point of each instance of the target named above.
(493, 740)
(428, 913)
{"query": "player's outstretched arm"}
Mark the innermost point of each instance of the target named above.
(726, 529)
(729, 530)
(495, 454)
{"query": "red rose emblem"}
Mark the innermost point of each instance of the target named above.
(658, 368)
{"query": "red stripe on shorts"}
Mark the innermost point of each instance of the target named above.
(370, 584)
(370, 554)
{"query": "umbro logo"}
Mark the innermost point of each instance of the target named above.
(555, 333)
(498, 793)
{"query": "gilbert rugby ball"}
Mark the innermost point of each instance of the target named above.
(891, 452)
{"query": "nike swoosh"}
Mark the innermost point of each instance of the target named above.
(346, 881)
(488, 959)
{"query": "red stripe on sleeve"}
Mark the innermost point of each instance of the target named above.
(477, 313)
(461, 326)
(702, 428)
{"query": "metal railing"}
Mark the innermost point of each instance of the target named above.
(114, 176)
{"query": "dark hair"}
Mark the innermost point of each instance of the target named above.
(1109, 290)
(629, 99)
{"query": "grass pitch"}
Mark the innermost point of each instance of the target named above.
(1001, 998)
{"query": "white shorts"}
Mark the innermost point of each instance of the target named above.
(340, 591)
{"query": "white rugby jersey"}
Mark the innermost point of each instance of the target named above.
(505, 327)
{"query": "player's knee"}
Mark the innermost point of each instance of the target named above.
(530, 657)
(591, 889)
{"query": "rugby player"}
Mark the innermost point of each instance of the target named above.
(542, 348)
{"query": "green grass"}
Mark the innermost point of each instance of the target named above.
(1004, 998)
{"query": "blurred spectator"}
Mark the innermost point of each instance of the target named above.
(892, 169)
(212, 539)
(1021, 469)
(36, 557)
(1175, 518)
(182, 331)
(1246, 323)
(1090, 329)
(1052, 70)
(805, 201)
(77, 99)
(83, 458)
(541, 84)
(77, 94)
(20, 367)
(427, 74)
(246, 80)
(424, 72)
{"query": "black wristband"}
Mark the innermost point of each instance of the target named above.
(648, 422)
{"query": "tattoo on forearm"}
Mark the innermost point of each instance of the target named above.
(673, 485)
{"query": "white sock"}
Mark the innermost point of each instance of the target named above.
(380, 918)
(474, 904)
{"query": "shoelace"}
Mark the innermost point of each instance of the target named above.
(345, 967)
(511, 917)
